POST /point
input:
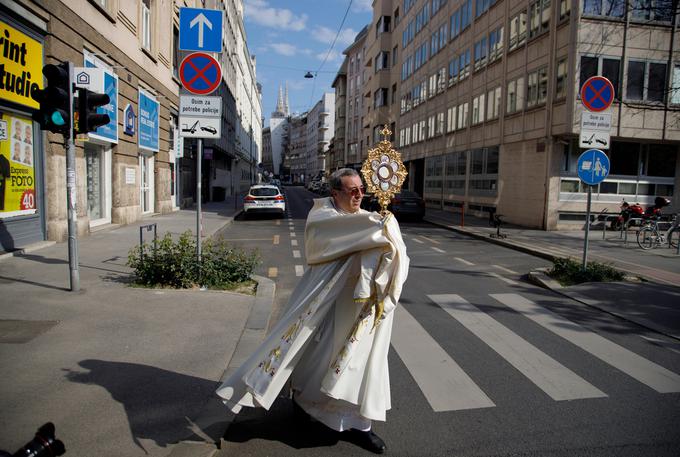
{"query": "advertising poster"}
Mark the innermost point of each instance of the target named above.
(17, 173)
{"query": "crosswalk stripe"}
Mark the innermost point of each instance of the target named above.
(502, 278)
(553, 378)
(293, 242)
(674, 347)
(443, 382)
(645, 371)
(276, 239)
(292, 234)
(507, 270)
(278, 222)
(418, 241)
(299, 270)
(273, 272)
(463, 261)
(437, 249)
(296, 253)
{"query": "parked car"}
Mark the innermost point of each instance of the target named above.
(264, 198)
(404, 205)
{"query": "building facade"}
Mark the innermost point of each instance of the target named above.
(485, 97)
(320, 128)
(337, 157)
(138, 164)
(354, 101)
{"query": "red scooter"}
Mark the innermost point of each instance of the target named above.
(628, 211)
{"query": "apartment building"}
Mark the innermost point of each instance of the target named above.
(138, 164)
(337, 154)
(355, 145)
(486, 103)
(320, 129)
(295, 161)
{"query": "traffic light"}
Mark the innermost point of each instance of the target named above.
(55, 111)
(88, 118)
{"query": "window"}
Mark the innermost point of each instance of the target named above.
(609, 8)
(421, 55)
(146, 24)
(453, 72)
(465, 14)
(518, 31)
(565, 9)
(478, 109)
(380, 97)
(515, 96)
(480, 53)
(408, 4)
(646, 81)
(482, 6)
(430, 125)
(675, 90)
(441, 80)
(605, 66)
(484, 170)
(455, 172)
(539, 17)
(463, 115)
(493, 103)
(464, 64)
(537, 87)
(495, 44)
(394, 94)
(383, 25)
(455, 24)
(394, 56)
(437, 5)
(451, 119)
(175, 52)
(433, 85)
(439, 126)
(382, 61)
(561, 79)
(652, 10)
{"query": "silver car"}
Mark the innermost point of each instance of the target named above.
(264, 198)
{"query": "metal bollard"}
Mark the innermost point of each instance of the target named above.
(141, 238)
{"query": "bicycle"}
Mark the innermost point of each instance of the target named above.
(650, 236)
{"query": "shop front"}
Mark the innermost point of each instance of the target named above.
(22, 205)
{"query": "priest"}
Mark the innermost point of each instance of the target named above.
(333, 338)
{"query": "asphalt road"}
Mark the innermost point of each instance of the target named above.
(482, 362)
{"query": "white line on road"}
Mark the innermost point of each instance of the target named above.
(296, 253)
(507, 270)
(278, 222)
(666, 344)
(463, 261)
(437, 249)
(443, 382)
(418, 241)
(299, 270)
(645, 371)
(430, 239)
(553, 378)
(292, 234)
(502, 278)
(276, 239)
(273, 272)
(293, 242)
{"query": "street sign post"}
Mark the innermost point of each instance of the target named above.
(597, 93)
(200, 73)
(593, 167)
(200, 29)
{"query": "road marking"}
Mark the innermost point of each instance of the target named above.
(666, 344)
(430, 239)
(273, 272)
(502, 278)
(292, 234)
(276, 239)
(463, 261)
(437, 249)
(278, 222)
(418, 241)
(443, 382)
(645, 371)
(507, 270)
(246, 239)
(296, 254)
(293, 242)
(553, 378)
(299, 270)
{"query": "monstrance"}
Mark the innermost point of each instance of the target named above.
(383, 171)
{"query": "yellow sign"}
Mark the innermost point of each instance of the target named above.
(17, 172)
(21, 62)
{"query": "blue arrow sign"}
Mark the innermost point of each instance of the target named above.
(593, 167)
(200, 30)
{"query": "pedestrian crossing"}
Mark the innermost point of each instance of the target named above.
(447, 387)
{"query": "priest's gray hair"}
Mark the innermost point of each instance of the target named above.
(335, 180)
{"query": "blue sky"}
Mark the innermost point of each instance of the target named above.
(292, 37)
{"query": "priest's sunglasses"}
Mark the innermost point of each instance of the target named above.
(355, 191)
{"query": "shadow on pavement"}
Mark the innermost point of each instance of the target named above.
(158, 403)
(33, 283)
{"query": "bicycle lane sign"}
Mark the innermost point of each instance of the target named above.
(593, 167)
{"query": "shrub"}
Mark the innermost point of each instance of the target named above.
(170, 263)
(569, 272)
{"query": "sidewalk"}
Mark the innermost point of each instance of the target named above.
(119, 370)
(652, 305)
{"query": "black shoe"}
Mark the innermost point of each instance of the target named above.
(368, 440)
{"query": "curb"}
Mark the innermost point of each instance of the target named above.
(215, 416)
(540, 278)
(27, 250)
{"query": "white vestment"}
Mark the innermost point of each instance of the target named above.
(328, 339)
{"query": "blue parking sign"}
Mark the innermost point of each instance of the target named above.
(200, 30)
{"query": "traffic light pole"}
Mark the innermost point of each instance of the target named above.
(199, 157)
(71, 198)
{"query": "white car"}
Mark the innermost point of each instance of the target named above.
(264, 198)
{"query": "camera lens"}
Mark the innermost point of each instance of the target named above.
(44, 444)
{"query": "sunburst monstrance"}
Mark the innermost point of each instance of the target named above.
(383, 171)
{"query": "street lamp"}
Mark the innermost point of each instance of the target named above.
(309, 75)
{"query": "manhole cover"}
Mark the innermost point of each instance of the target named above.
(19, 332)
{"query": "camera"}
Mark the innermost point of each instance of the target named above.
(44, 444)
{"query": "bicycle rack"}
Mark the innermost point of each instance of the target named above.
(148, 228)
(627, 227)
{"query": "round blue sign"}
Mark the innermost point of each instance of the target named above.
(593, 167)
